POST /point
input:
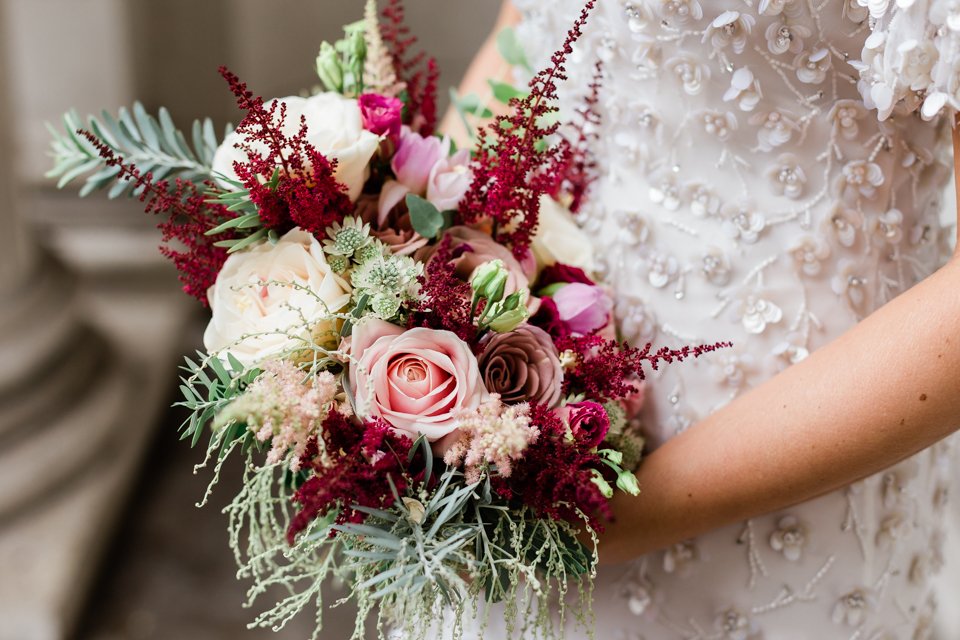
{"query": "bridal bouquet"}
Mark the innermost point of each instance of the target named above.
(422, 380)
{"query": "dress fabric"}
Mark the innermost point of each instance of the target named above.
(748, 194)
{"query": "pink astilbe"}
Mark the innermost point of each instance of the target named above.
(494, 434)
(189, 217)
(555, 475)
(353, 466)
(307, 194)
(511, 177)
(606, 370)
(417, 72)
(444, 298)
(579, 171)
(284, 409)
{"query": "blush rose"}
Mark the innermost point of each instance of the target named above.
(416, 380)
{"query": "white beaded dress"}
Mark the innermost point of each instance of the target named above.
(748, 193)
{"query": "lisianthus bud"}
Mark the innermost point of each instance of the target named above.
(627, 482)
(328, 68)
(509, 320)
(490, 280)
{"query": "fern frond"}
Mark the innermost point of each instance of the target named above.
(152, 144)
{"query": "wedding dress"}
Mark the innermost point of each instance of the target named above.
(747, 193)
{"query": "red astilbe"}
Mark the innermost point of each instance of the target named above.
(554, 477)
(307, 193)
(509, 179)
(419, 73)
(189, 218)
(580, 169)
(605, 368)
(360, 458)
(445, 299)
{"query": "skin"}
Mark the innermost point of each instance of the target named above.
(886, 389)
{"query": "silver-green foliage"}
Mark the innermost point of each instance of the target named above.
(153, 144)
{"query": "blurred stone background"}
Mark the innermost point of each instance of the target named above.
(99, 535)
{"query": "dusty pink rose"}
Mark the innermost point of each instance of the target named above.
(588, 422)
(381, 115)
(394, 230)
(449, 180)
(583, 308)
(522, 366)
(416, 379)
(472, 248)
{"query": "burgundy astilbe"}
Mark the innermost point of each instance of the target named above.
(360, 458)
(189, 218)
(413, 68)
(445, 299)
(554, 477)
(579, 170)
(605, 368)
(307, 193)
(509, 180)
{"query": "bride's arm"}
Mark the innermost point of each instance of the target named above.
(884, 390)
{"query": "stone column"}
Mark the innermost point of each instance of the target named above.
(80, 394)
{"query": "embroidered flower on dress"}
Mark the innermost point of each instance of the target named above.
(744, 88)
(636, 321)
(731, 369)
(789, 538)
(664, 190)
(730, 29)
(716, 266)
(845, 115)
(634, 224)
(783, 37)
(787, 176)
(776, 129)
(640, 16)
(842, 225)
(703, 201)
(679, 557)
(859, 178)
(742, 222)
(851, 609)
(854, 11)
(790, 8)
(812, 66)
(691, 74)
(756, 313)
(809, 252)
(850, 284)
(791, 350)
(733, 625)
(676, 12)
(721, 125)
(662, 269)
(887, 228)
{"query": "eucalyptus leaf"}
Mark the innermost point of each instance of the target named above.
(425, 218)
(511, 50)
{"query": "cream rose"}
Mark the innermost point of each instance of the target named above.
(416, 380)
(560, 239)
(268, 297)
(334, 127)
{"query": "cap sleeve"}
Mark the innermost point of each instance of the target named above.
(911, 59)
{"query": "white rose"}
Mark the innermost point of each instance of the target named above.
(256, 314)
(334, 128)
(560, 239)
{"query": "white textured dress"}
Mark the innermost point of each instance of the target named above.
(749, 194)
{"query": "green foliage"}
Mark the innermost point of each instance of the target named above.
(204, 395)
(425, 218)
(153, 145)
(511, 50)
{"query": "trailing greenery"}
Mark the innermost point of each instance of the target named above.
(153, 144)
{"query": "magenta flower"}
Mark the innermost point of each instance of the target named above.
(588, 422)
(583, 308)
(381, 115)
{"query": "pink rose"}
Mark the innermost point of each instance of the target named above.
(472, 248)
(588, 422)
(583, 308)
(416, 380)
(449, 180)
(381, 115)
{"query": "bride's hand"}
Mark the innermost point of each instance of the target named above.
(884, 390)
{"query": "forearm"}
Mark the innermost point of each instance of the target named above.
(881, 392)
(486, 65)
